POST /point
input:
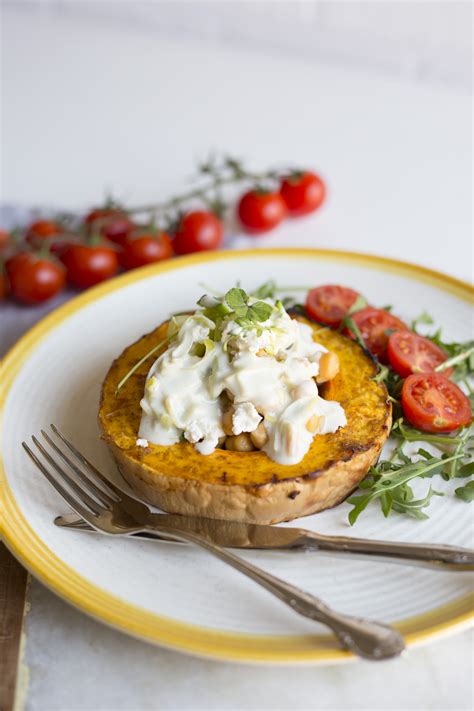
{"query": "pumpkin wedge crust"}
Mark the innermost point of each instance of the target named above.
(249, 486)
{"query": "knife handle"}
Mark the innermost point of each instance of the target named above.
(441, 557)
(366, 638)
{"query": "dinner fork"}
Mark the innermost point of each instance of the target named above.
(106, 509)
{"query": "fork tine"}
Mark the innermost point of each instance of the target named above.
(76, 505)
(113, 491)
(83, 495)
(104, 498)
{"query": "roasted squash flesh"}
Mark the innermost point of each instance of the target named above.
(365, 402)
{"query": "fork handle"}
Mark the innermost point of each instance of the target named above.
(366, 638)
(438, 556)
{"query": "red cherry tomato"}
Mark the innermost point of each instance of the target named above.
(373, 325)
(145, 249)
(114, 224)
(40, 231)
(261, 211)
(32, 279)
(3, 285)
(409, 353)
(87, 265)
(329, 304)
(303, 193)
(198, 231)
(4, 240)
(433, 403)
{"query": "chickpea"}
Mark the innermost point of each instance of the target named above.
(313, 423)
(239, 443)
(328, 367)
(259, 436)
(227, 421)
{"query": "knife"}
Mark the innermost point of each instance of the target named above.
(234, 534)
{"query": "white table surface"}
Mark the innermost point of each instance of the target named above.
(89, 107)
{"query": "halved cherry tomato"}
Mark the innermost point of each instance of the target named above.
(330, 303)
(303, 193)
(198, 231)
(261, 211)
(113, 223)
(433, 403)
(145, 249)
(87, 265)
(32, 279)
(410, 353)
(373, 325)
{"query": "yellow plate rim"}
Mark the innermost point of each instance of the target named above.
(30, 550)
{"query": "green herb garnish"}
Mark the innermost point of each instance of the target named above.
(424, 317)
(246, 314)
(466, 493)
(460, 354)
(388, 481)
(135, 367)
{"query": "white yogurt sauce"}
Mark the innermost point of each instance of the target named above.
(269, 369)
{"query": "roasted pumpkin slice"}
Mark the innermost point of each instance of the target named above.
(249, 486)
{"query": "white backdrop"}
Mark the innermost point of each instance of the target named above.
(430, 40)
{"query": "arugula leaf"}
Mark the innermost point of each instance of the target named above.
(392, 483)
(466, 493)
(410, 506)
(465, 470)
(410, 434)
(466, 355)
(422, 318)
(348, 322)
(359, 304)
(452, 470)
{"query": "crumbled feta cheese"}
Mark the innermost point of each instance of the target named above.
(245, 418)
(267, 368)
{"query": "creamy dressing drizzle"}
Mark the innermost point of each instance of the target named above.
(269, 371)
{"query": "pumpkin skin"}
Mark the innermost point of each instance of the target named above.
(249, 486)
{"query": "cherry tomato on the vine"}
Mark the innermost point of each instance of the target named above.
(33, 279)
(112, 223)
(433, 403)
(4, 240)
(330, 303)
(260, 211)
(46, 232)
(198, 231)
(410, 353)
(41, 230)
(373, 325)
(145, 249)
(88, 264)
(303, 193)
(3, 285)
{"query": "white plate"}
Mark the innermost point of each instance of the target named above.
(180, 596)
